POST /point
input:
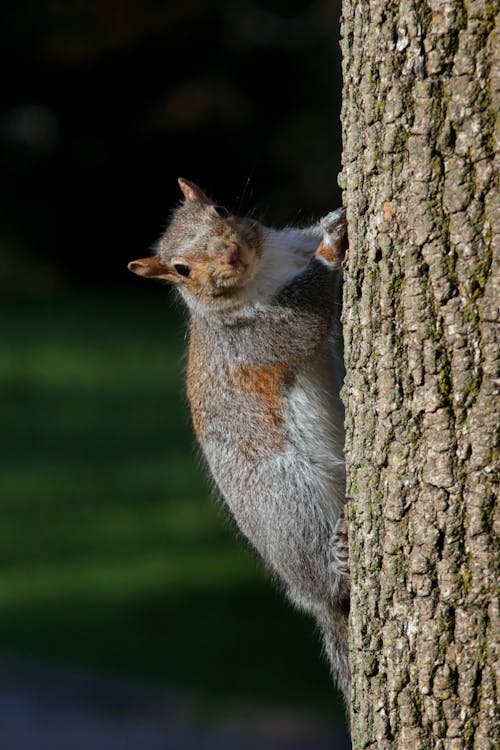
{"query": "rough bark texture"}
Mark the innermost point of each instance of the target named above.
(420, 321)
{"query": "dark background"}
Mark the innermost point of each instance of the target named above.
(105, 104)
(113, 556)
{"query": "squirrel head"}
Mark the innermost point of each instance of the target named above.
(209, 253)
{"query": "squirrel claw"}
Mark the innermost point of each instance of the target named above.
(339, 547)
(333, 244)
(334, 224)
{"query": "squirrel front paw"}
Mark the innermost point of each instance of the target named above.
(333, 244)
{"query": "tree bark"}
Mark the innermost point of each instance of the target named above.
(420, 321)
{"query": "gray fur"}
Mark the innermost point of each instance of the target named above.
(263, 388)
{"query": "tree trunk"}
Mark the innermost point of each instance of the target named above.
(420, 324)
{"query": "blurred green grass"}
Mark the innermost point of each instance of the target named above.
(112, 554)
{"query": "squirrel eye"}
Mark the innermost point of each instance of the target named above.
(181, 269)
(222, 212)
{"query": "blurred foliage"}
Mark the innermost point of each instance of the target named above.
(105, 104)
(112, 554)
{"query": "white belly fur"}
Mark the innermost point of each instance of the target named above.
(314, 421)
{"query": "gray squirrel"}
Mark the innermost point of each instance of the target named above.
(262, 383)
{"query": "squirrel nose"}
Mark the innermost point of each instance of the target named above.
(232, 254)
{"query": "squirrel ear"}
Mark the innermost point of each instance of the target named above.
(151, 267)
(192, 192)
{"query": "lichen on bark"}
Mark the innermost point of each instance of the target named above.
(421, 326)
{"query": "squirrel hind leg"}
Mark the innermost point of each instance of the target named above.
(333, 245)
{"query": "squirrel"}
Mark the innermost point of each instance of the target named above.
(263, 386)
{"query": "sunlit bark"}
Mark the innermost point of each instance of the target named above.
(420, 321)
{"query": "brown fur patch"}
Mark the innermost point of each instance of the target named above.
(211, 276)
(202, 270)
(330, 254)
(264, 384)
(257, 394)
